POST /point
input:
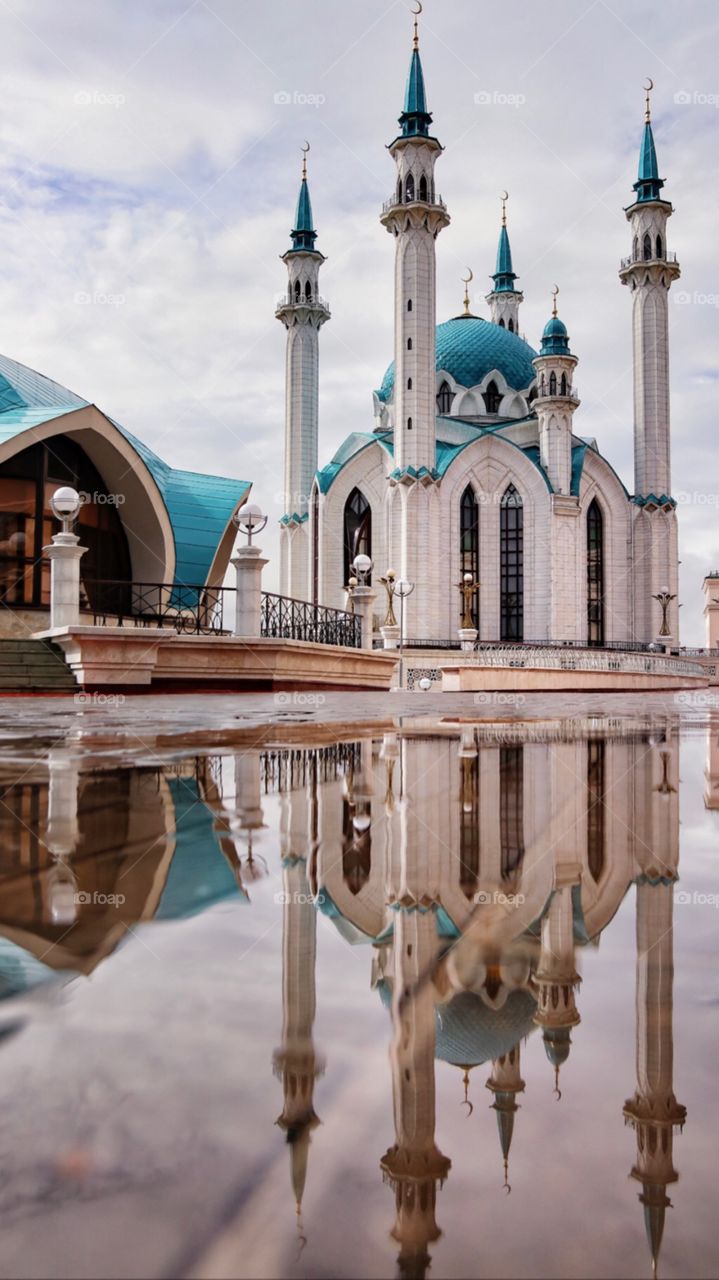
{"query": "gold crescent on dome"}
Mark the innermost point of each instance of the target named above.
(648, 87)
(468, 279)
(418, 10)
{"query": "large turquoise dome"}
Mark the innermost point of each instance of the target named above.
(469, 348)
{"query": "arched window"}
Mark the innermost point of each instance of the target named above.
(542, 386)
(356, 842)
(409, 344)
(660, 247)
(511, 565)
(469, 545)
(501, 323)
(532, 395)
(511, 810)
(409, 188)
(409, 384)
(409, 424)
(399, 192)
(552, 383)
(470, 829)
(492, 398)
(647, 247)
(563, 385)
(445, 396)
(595, 575)
(357, 531)
(423, 188)
(308, 292)
(316, 546)
(297, 290)
(409, 304)
(635, 248)
(510, 325)
(596, 808)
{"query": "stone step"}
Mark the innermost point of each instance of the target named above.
(33, 664)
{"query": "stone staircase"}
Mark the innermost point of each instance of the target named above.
(36, 666)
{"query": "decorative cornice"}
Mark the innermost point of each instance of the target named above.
(652, 503)
(294, 518)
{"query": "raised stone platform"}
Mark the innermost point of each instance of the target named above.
(560, 669)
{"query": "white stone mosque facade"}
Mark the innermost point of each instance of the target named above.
(474, 464)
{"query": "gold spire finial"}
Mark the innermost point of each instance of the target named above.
(305, 149)
(465, 1101)
(466, 281)
(557, 1090)
(416, 13)
(647, 102)
(507, 1184)
(504, 198)
(555, 291)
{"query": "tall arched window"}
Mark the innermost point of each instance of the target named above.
(596, 807)
(445, 397)
(409, 188)
(510, 325)
(469, 830)
(563, 385)
(316, 546)
(357, 531)
(595, 575)
(308, 292)
(647, 247)
(492, 398)
(469, 544)
(297, 290)
(399, 192)
(409, 304)
(635, 248)
(511, 810)
(423, 188)
(660, 247)
(501, 323)
(511, 566)
(552, 383)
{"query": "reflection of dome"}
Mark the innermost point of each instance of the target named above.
(557, 1043)
(469, 1032)
(469, 348)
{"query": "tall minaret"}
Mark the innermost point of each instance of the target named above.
(557, 979)
(302, 312)
(504, 299)
(654, 1112)
(649, 272)
(414, 215)
(556, 401)
(505, 1083)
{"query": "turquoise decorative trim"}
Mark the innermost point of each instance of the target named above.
(303, 235)
(294, 518)
(648, 185)
(651, 500)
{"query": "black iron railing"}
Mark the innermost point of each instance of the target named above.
(286, 619)
(190, 608)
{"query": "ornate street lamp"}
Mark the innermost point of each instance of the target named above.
(664, 597)
(403, 589)
(389, 582)
(362, 566)
(249, 520)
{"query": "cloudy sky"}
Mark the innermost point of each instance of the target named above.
(149, 165)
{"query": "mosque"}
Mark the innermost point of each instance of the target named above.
(473, 452)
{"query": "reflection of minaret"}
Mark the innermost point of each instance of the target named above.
(557, 979)
(711, 772)
(506, 1082)
(414, 1165)
(296, 1063)
(653, 1112)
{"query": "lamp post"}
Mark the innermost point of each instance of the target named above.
(363, 597)
(467, 632)
(390, 628)
(403, 589)
(64, 554)
(248, 565)
(664, 599)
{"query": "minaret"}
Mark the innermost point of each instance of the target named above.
(556, 979)
(649, 273)
(296, 1062)
(556, 401)
(302, 312)
(414, 1166)
(505, 1083)
(504, 299)
(654, 1112)
(415, 215)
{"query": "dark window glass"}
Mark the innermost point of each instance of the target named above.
(409, 188)
(647, 247)
(595, 575)
(552, 383)
(596, 808)
(469, 831)
(357, 531)
(445, 396)
(423, 188)
(469, 546)
(511, 809)
(511, 566)
(492, 398)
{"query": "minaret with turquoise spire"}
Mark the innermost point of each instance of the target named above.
(649, 272)
(556, 401)
(302, 312)
(415, 215)
(504, 298)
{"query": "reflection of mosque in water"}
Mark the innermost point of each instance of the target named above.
(475, 862)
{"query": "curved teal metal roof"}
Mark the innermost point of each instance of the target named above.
(469, 348)
(555, 339)
(199, 506)
(504, 273)
(199, 874)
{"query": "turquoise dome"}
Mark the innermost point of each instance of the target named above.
(469, 348)
(555, 339)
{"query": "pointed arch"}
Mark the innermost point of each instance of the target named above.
(357, 527)
(298, 289)
(469, 545)
(659, 247)
(511, 565)
(308, 292)
(647, 247)
(445, 396)
(501, 322)
(423, 188)
(563, 385)
(595, 574)
(596, 807)
(552, 383)
(409, 188)
(510, 325)
(492, 397)
(511, 810)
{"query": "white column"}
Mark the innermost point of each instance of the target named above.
(64, 554)
(248, 564)
(364, 598)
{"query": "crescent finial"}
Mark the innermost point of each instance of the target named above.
(466, 281)
(305, 149)
(416, 13)
(504, 197)
(555, 292)
(418, 10)
(648, 108)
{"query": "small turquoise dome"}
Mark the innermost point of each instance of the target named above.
(557, 1043)
(555, 339)
(469, 348)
